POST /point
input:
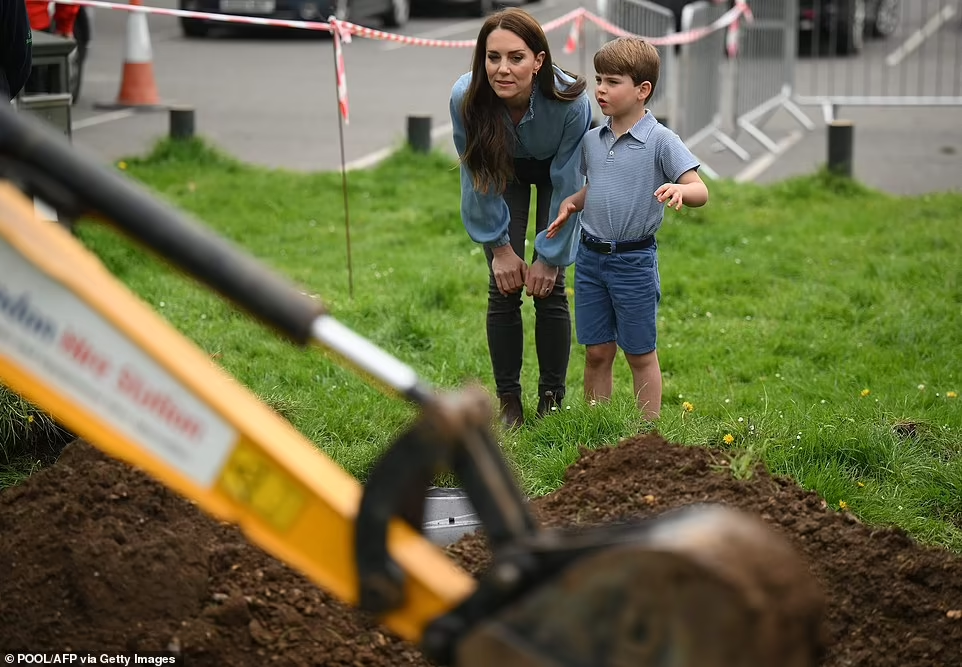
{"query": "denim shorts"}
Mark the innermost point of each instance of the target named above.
(616, 299)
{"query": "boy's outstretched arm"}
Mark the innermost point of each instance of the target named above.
(568, 207)
(690, 191)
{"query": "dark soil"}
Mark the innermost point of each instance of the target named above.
(96, 556)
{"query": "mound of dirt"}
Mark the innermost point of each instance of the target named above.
(96, 556)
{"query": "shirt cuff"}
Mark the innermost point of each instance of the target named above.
(504, 240)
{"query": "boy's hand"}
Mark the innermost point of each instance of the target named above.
(672, 193)
(565, 210)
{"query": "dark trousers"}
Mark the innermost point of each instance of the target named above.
(552, 316)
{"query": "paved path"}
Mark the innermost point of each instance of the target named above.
(269, 98)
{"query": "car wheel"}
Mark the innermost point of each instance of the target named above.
(194, 27)
(342, 10)
(482, 8)
(398, 14)
(887, 18)
(851, 28)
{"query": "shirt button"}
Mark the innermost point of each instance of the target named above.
(611, 153)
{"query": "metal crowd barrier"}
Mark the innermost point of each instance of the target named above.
(765, 68)
(697, 80)
(905, 54)
(651, 20)
(690, 90)
(702, 69)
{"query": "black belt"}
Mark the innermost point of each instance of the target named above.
(610, 247)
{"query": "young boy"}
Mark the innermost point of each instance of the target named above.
(634, 167)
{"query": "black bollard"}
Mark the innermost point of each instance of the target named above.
(419, 133)
(181, 122)
(841, 142)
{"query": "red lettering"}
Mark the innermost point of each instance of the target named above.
(84, 355)
(158, 403)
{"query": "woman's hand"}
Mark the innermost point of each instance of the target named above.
(541, 279)
(509, 270)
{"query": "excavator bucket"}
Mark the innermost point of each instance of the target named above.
(704, 586)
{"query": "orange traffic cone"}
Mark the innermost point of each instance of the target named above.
(138, 89)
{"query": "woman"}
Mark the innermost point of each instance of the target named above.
(518, 122)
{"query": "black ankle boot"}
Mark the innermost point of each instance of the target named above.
(512, 414)
(549, 401)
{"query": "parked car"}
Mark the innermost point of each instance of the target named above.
(392, 13)
(479, 8)
(843, 24)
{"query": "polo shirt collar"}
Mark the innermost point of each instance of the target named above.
(640, 130)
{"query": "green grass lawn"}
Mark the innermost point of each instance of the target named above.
(813, 324)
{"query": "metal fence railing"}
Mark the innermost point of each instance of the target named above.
(790, 54)
(702, 66)
(765, 69)
(880, 54)
(651, 20)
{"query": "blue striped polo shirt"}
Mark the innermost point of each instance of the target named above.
(623, 174)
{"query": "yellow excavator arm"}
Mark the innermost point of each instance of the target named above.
(78, 343)
(696, 587)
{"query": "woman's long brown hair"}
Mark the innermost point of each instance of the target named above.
(489, 145)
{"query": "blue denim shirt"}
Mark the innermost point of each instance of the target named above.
(549, 129)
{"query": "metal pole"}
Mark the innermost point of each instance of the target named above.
(340, 132)
(841, 134)
(181, 122)
(419, 133)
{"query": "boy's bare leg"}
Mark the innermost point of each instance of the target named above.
(599, 362)
(646, 375)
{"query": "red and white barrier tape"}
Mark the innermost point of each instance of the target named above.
(731, 37)
(342, 31)
(727, 19)
(372, 33)
(574, 35)
(563, 20)
(730, 18)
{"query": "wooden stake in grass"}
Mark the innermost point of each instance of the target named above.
(342, 116)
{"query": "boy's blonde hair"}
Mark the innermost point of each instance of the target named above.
(630, 56)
